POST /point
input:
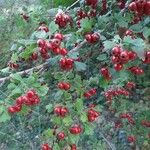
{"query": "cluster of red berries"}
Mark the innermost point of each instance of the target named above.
(147, 57)
(82, 14)
(130, 85)
(106, 73)
(112, 93)
(92, 115)
(43, 49)
(75, 129)
(140, 7)
(62, 19)
(29, 99)
(46, 147)
(136, 70)
(53, 45)
(66, 63)
(61, 111)
(128, 117)
(13, 65)
(146, 123)
(131, 139)
(120, 57)
(92, 3)
(92, 37)
(90, 93)
(64, 86)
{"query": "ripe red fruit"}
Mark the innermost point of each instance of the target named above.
(131, 139)
(130, 85)
(132, 6)
(92, 3)
(104, 71)
(63, 51)
(73, 147)
(124, 56)
(57, 110)
(61, 136)
(115, 59)
(59, 36)
(34, 56)
(17, 107)
(43, 27)
(19, 100)
(30, 94)
(147, 8)
(75, 129)
(46, 147)
(132, 55)
(116, 51)
(11, 109)
(118, 67)
(41, 43)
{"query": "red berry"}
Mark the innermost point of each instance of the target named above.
(63, 51)
(76, 129)
(131, 139)
(124, 56)
(118, 67)
(30, 94)
(116, 51)
(11, 109)
(132, 55)
(115, 59)
(147, 8)
(41, 43)
(59, 36)
(19, 101)
(46, 147)
(44, 28)
(73, 147)
(34, 56)
(132, 6)
(61, 136)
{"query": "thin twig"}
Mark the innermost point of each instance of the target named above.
(76, 2)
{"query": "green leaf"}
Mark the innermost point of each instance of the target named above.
(80, 66)
(67, 121)
(42, 91)
(53, 27)
(5, 70)
(56, 146)
(48, 133)
(83, 117)
(40, 34)
(28, 51)
(74, 138)
(14, 57)
(57, 120)
(102, 57)
(16, 91)
(13, 47)
(88, 129)
(58, 95)
(49, 108)
(11, 86)
(16, 77)
(27, 42)
(86, 24)
(4, 117)
(79, 105)
(102, 82)
(146, 32)
(108, 45)
(73, 55)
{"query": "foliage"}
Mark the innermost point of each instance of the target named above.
(67, 61)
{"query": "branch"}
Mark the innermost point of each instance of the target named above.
(25, 72)
(76, 2)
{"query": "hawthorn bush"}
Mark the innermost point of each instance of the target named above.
(81, 80)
